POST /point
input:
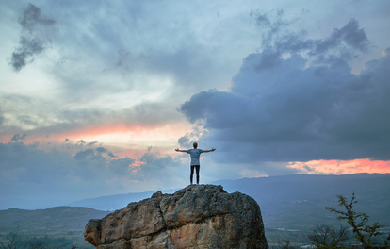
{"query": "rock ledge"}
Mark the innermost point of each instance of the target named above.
(198, 216)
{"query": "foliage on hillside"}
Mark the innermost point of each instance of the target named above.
(60, 227)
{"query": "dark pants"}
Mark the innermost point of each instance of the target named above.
(197, 167)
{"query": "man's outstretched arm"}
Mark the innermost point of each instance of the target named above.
(213, 149)
(177, 150)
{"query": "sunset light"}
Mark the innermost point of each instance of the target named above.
(355, 166)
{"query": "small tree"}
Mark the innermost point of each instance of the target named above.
(38, 245)
(363, 232)
(13, 240)
(328, 236)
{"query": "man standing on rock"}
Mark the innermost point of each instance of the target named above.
(195, 159)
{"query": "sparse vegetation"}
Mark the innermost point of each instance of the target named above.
(12, 240)
(61, 227)
(15, 241)
(328, 236)
(363, 232)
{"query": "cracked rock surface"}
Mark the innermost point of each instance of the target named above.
(198, 216)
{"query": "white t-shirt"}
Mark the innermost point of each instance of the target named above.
(195, 155)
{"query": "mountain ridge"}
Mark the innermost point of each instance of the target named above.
(292, 201)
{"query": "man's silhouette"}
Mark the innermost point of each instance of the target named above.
(195, 159)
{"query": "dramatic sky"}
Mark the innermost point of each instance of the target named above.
(96, 95)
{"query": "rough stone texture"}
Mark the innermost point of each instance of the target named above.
(198, 216)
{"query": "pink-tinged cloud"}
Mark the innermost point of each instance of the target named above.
(124, 137)
(121, 132)
(5, 138)
(137, 163)
(354, 166)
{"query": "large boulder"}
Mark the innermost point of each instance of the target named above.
(198, 216)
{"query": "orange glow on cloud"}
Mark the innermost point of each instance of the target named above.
(137, 163)
(5, 138)
(354, 166)
(124, 133)
(116, 133)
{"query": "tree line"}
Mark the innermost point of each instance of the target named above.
(15, 241)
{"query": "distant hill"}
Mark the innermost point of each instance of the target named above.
(298, 201)
(39, 222)
(112, 202)
(292, 201)
(31, 204)
(67, 223)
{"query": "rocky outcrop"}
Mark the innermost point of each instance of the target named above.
(198, 216)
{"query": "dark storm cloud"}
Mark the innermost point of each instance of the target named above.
(281, 110)
(17, 137)
(350, 34)
(33, 40)
(272, 24)
(81, 142)
(101, 150)
(345, 42)
(32, 16)
(25, 53)
(110, 154)
(90, 154)
(84, 154)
